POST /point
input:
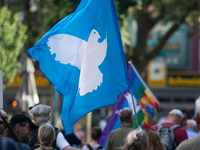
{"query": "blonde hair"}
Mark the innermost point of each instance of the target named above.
(46, 135)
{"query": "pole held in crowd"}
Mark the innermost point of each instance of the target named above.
(134, 108)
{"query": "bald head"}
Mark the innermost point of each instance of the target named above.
(176, 119)
(197, 103)
(4, 114)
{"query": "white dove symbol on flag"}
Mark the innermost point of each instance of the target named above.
(87, 56)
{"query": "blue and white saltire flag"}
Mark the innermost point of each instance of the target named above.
(83, 57)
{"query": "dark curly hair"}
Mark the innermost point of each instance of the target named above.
(96, 132)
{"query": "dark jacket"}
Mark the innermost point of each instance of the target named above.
(34, 143)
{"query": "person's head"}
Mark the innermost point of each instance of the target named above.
(175, 116)
(2, 128)
(21, 126)
(96, 133)
(2, 124)
(4, 114)
(126, 116)
(41, 113)
(136, 140)
(197, 103)
(191, 124)
(154, 140)
(184, 122)
(46, 135)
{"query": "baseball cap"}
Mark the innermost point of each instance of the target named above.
(18, 118)
(176, 112)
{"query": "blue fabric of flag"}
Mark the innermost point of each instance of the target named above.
(114, 122)
(68, 71)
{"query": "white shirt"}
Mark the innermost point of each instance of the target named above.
(61, 142)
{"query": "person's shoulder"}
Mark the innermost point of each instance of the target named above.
(24, 147)
(34, 133)
(180, 129)
(8, 142)
(116, 130)
(189, 144)
(85, 147)
(119, 131)
(167, 124)
(154, 127)
(113, 133)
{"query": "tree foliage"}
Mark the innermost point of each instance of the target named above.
(12, 37)
(148, 13)
(33, 19)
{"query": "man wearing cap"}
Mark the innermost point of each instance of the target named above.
(41, 115)
(175, 117)
(21, 125)
(193, 143)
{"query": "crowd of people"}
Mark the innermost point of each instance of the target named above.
(21, 133)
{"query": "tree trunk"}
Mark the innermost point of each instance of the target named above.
(140, 57)
(2, 3)
(144, 27)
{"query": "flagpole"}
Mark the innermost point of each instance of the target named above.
(88, 127)
(134, 108)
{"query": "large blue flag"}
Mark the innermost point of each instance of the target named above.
(82, 56)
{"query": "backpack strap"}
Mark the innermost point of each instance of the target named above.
(172, 128)
(159, 126)
(88, 145)
(56, 133)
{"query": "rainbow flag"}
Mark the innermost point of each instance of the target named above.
(145, 103)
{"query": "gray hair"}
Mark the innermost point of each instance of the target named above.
(42, 120)
(191, 124)
(198, 106)
(136, 140)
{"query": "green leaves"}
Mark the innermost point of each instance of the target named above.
(12, 37)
